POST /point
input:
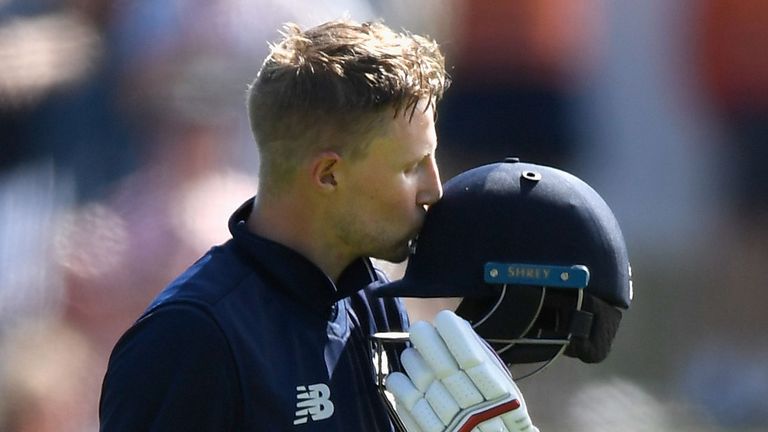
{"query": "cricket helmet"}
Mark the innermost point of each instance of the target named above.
(536, 255)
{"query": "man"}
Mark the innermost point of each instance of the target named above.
(269, 331)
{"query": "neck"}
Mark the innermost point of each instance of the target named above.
(295, 222)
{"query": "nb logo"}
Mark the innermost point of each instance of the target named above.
(312, 402)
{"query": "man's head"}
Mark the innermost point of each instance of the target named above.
(344, 117)
(335, 87)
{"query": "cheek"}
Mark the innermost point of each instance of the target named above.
(396, 195)
(383, 193)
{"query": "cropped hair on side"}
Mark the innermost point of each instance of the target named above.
(330, 87)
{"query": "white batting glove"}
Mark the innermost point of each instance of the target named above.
(455, 382)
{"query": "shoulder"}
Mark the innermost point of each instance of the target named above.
(172, 333)
(163, 366)
(216, 275)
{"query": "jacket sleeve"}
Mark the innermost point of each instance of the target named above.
(172, 371)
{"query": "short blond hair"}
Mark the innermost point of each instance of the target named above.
(331, 86)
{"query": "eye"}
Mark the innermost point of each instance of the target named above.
(415, 166)
(410, 169)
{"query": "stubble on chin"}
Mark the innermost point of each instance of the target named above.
(402, 254)
(396, 254)
(404, 248)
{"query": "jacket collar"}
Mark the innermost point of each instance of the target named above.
(293, 272)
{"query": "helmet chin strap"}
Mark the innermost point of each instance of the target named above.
(529, 341)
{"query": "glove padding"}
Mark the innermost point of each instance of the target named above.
(455, 382)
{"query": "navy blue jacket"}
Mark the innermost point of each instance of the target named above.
(253, 337)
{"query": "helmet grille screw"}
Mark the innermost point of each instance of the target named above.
(564, 276)
(494, 273)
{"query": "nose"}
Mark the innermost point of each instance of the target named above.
(430, 189)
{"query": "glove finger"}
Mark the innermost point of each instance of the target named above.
(418, 370)
(489, 380)
(408, 421)
(463, 390)
(442, 402)
(403, 389)
(460, 339)
(432, 348)
(471, 354)
(426, 418)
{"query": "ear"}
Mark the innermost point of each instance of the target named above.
(325, 171)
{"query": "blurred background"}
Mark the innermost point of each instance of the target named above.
(124, 147)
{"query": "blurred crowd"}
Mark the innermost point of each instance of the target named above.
(124, 147)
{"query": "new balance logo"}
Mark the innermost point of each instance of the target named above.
(313, 402)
